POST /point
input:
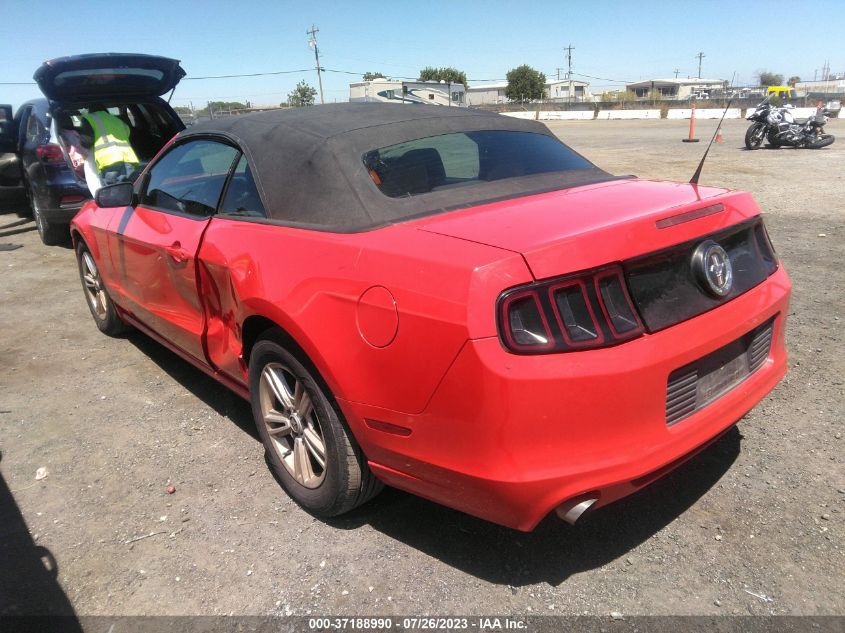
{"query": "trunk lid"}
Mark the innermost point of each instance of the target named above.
(107, 75)
(583, 227)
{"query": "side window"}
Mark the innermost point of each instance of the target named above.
(190, 178)
(242, 195)
(34, 129)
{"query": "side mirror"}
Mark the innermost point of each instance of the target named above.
(8, 130)
(119, 195)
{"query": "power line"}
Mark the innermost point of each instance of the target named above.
(326, 70)
(614, 81)
(277, 72)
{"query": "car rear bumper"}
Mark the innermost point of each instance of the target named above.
(510, 438)
(62, 215)
(59, 201)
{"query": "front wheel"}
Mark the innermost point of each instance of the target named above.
(822, 140)
(754, 136)
(310, 449)
(96, 296)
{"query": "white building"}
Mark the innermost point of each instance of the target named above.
(556, 90)
(833, 86)
(677, 88)
(487, 93)
(382, 90)
(568, 90)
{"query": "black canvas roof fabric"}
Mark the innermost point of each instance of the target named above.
(308, 162)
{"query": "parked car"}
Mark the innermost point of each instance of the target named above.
(448, 301)
(126, 85)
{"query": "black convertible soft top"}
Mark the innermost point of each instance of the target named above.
(308, 162)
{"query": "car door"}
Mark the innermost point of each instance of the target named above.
(33, 134)
(154, 244)
(11, 183)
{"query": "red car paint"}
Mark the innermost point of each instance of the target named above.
(401, 324)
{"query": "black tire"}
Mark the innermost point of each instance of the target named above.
(754, 136)
(822, 140)
(347, 481)
(50, 234)
(104, 313)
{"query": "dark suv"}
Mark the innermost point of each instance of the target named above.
(36, 156)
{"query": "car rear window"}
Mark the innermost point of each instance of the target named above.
(94, 76)
(439, 162)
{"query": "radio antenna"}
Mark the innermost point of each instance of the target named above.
(697, 174)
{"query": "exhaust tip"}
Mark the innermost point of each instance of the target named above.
(571, 511)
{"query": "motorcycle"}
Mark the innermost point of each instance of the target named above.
(780, 128)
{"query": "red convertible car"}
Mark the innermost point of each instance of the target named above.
(447, 301)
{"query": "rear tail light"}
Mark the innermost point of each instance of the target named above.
(582, 311)
(617, 304)
(67, 200)
(50, 153)
(527, 328)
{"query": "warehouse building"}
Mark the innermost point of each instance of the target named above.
(560, 90)
(835, 86)
(677, 88)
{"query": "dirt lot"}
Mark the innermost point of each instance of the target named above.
(753, 525)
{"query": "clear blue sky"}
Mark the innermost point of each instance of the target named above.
(624, 40)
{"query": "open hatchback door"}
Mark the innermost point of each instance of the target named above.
(107, 75)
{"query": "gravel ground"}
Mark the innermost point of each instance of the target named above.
(753, 525)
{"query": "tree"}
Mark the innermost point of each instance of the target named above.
(525, 84)
(449, 75)
(181, 109)
(302, 95)
(370, 76)
(793, 80)
(221, 106)
(768, 78)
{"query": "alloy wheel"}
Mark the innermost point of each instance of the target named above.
(292, 424)
(39, 222)
(94, 290)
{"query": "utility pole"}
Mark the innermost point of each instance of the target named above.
(569, 50)
(700, 57)
(312, 42)
(676, 73)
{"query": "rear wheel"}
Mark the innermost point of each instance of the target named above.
(96, 296)
(754, 136)
(50, 234)
(822, 140)
(308, 445)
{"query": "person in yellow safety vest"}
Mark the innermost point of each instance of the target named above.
(111, 158)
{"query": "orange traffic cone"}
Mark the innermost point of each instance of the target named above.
(691, 138)
(719, 134)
